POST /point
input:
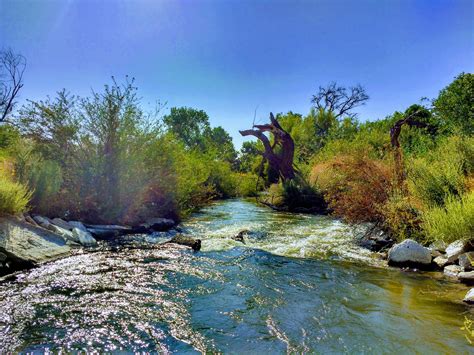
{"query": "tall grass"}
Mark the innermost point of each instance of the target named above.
(14, 197)
(451, 222)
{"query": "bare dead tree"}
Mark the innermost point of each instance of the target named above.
(12, 67)
(279, 154)
(340, 100)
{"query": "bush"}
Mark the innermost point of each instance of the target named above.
(401, 218)
(452, 222)
(355, 187)
(14, 197)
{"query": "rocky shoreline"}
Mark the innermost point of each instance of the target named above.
(455, 260)
(28, 241)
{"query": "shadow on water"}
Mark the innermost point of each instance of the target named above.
(234, 298)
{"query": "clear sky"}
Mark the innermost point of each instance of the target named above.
(229, 56)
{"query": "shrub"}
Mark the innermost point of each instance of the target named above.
(14, 197)
(453, 221)
(355, 187)
(248, 185)
(401, 218)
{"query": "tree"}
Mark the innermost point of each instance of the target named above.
(280, 153)
(339, 100)
(455, 104)
(415, 116)
(189, 125)
(12, 67)
(222, 142)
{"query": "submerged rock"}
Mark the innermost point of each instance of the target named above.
(452, 270)
(469, 298)
(409, 253)
(195, 244)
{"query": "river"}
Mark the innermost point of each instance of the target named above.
(298, 285)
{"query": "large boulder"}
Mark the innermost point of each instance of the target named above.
(469, 298)
(466, 260)
(24, 245)
(409, 253)
(454, 250)
(84, 237)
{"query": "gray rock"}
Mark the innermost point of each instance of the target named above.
(409, 253)
(180, 239)
(466, 260)
(30, 220)
(78, 225)
(158, 224)
(455, 249)
(452, 270)
(84, 237)
(441, 261)
(26, 245)
(42, 221)
(61, 223)
(469, 298)
(439, 246)
(66, 234)
(466, 277)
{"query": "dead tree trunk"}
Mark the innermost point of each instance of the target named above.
(281, 161)
(400, 174)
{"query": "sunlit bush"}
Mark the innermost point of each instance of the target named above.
(14, 197)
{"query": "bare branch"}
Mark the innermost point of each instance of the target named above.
(12, 67)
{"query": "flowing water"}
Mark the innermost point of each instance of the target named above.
(298, 285)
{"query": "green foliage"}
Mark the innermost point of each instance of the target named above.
(455, 104)
(189, 125)
(453, 221)
(401, 218)
(441, 173)
(14, 197)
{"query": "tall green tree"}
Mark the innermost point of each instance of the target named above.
(191, 126)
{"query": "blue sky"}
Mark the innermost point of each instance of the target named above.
(228, 57)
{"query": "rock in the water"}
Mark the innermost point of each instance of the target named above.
(158, 224)
(26, 245)
(78, 225)
(452, 270)
(441, 261)
(84, 237)
(239, 237)
(454, 250)
(409, 253)
(466, 260)
(62, 224)
(195, 244)
(375, 239)
(466, 277)
(30, 220)
(42, 221)
(469, 298)
(107, 231)
(66, 234)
